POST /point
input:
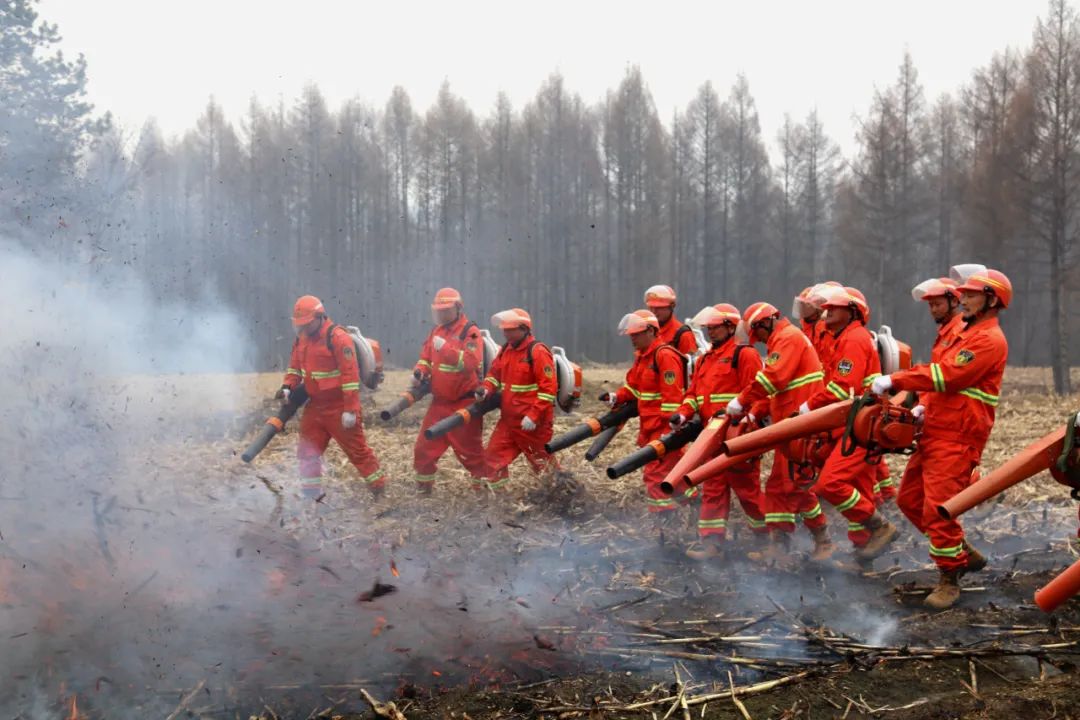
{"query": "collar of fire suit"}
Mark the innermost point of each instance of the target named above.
(723, 347)
(779, 325)
(656, 345)
(980, 325)
(949, 325)
(455, 327)
(320, 334)
(521, 343)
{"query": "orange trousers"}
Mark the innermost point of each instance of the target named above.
(320, 423)
(467, 442)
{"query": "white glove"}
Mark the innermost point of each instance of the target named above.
(1078, 419)
(285, 393)
(608, 399)
(677, 421)
(918, 411)
(881, 385)
(804, 408)
(348, 420)
(480, 393)
(438, 343)
(734, 407)
(527, 424)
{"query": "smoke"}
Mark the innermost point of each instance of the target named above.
(131, 571)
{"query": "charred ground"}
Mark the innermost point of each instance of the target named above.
(188, 574)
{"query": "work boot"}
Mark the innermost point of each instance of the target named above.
(976, 561)
(710, 547)
(777, 552)
(823, 544)
(882, 534)
(377, 492)
(425, 489)
(946, 592)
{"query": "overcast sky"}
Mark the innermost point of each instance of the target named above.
(164, 59)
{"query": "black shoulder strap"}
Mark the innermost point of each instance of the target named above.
(532, 346)
(465, 330)
(735, 359)
(683, 329)
(330, 337)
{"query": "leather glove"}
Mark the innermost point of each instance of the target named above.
(348, 420)
(804, 408)
(881, 385)
(283, 393)
(527, 424)
(918, 411)
(480, 393)
(734, 407)
(676, 421)
(438, 343)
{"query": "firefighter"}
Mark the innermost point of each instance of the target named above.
(324, 360)
(847, 483)
(452, 360)
(657, 382)
(792, 373)
(661, 300)
(808, 311)
(964, 384)
(524, 373)
(719, 375)
(943, 303)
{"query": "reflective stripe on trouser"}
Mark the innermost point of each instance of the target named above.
(847, 484)
(653, 474)
(785, 503)
(466, 441)
(885, 486)
(508, 441)
(716, 500)
(311, 487)
(939, 470)
(318, 425)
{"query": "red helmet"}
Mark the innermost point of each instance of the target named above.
(511, 319)
(722, 314)
(935, 288)
(446, 298)
(660, 296)
(848, 297)
(757, 312)
(992, 282)
(306, 309)
(638, 321)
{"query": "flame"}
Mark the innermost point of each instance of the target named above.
(380, 624)
(393, 568)
(436, 673)
(74, 708)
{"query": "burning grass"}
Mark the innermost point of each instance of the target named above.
(538, 601)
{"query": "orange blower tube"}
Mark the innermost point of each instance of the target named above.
(1060, 589)
(706, 446)
(1036, 457)
(823, 419)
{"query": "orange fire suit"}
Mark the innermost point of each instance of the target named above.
(657, 382)
(685, 342)
(966, 383)
(910, 497)
(792, 373)
(717, 379)
(331, 376)
(525, 375)
(455, 373)
(847, 483)
(820, 338)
